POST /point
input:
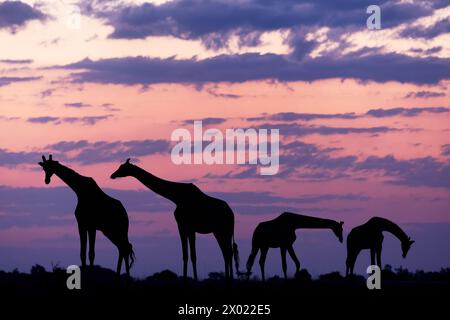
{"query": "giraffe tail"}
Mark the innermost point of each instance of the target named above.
(236, 256)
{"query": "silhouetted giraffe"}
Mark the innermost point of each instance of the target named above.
(370, 236)
(195, 212)
(280, 233)
(95, 211)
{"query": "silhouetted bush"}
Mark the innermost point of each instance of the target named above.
(216, 276)
(303, 275)
(165, 275)
(37, 270)
(332, 276)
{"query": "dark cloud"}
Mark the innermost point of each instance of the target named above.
(15, 14)
(418, 172)
(445, 150)
(16, 61)
(11, 158)
(48, 206)
(254, 66)
(299, 130)
(86, 153)
(4, 81)
(310, 162)
(439, 28)
(223, 95)
(293, 116)
(104, 151)
(214, 22)
(47, 93)
(425, 94)
(405, 112)
(86, 120)
(379, 113)
(429, 51)
(77, 105)
(205, 121)
(43, 119)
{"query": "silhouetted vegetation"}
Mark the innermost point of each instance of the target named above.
(163, 292)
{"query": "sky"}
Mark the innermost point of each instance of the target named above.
(363, 117)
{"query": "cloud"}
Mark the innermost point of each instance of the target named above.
(379, 113)
(103, 151)
(49, 206)
(214, 22)
(312, 163)
(445, 150)
(86, 153)
(429, 51)
(86, 120)
(426, 171)
(11, 158)
(425, 94)
(293, 116)
(15, 14)
(439, 28)
(16, 61)
(223, 95)
(43, 119)
(253, 66)
(5, 81)
(299, 130)
(77, 105)
(205, 121)
(405, 112)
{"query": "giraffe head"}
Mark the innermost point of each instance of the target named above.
(123, 171)
(338, 231)
(406, 245)
(49, 167)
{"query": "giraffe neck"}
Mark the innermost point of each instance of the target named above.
(306, 222)
(164, 188)
(394, 229)
(73, 179)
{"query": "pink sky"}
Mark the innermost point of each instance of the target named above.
(136, 112)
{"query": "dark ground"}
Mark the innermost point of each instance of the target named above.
(42, 293)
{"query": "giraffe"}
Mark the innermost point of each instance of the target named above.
(280, 233)
(370, 236)
(195, 212)
(95, 210)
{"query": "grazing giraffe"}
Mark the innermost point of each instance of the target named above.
(95, 211)
(370, 236)
(195, 212)
(280, 233)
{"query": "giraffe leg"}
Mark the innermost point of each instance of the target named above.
(184, 244)
(262, 261)
(191, 239)
(378, 253)
(372, 256)
(91, 234)
(283, 261)
(83, 245)
(294, 258)
(351, 259)
(227, 252)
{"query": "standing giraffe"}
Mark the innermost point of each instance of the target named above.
(195, 212)
(280, 233)
(370, 236)
(95, 211)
